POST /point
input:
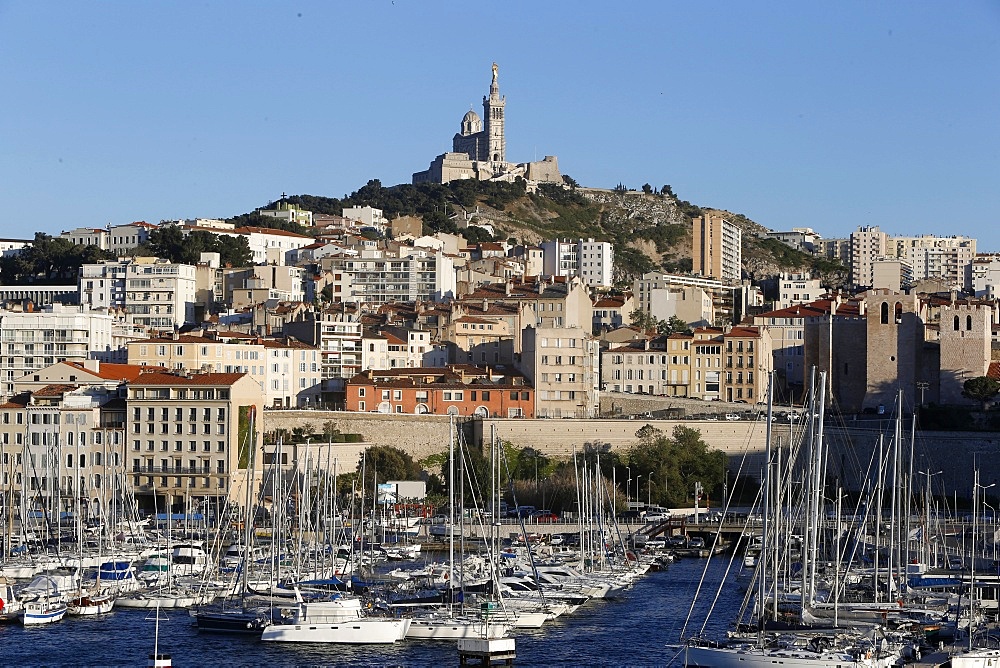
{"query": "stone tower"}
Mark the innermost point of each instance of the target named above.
(895, 338)
(965, 334)
(493, 107)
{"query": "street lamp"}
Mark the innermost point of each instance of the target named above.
(628, 486)
(638, 499)
(649, 489)
(994, 539)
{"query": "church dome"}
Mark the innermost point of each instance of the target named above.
(471, 123)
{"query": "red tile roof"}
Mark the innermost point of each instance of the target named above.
(159, 378)
(269, 230)
(109, 371)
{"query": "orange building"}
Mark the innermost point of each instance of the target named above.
(458, 389)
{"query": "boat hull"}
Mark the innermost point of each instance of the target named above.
(354, 632)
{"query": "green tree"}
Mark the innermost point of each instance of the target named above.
(647, 189)
(676, 463)
(49, 260)
(642, 320)
(381, 463)
(982, 388)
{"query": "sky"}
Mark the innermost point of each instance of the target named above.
(796, 114)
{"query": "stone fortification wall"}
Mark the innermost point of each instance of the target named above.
(418, 435)
(849, 461)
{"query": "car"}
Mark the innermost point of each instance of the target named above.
(713, 417)
(732, 416)
(521, 511)
(696, 543)
(631, 515)
(544, 516)
(763, 417)
(657, 516)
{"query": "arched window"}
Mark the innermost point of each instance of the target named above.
(956, 323)
(885, 313)
(98, 458)
(968, 323)
(899, 312)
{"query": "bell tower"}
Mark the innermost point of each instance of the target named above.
(493, 109)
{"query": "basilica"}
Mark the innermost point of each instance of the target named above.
(479, 150)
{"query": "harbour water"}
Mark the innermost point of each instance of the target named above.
(635, 631)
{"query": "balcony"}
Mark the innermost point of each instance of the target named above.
(175, 470)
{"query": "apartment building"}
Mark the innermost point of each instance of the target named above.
(717, 248)
(254, 285)
(290, 213)
(747, 361)
(696, 301)
(611, 312)
(797, 288)
(191, 435)
(586, 259)
(62, 446)
(160, 293)
(563, 365)
(453, 390)
(287, 370)
(868, 244)
(32, 340)
(375, 277)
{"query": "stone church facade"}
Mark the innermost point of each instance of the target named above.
(479, 150)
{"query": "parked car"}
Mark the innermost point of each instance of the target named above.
(521, 511)
(697, 543)
(544, 516)
(732, 416)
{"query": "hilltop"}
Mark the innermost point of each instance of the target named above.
(651, 229)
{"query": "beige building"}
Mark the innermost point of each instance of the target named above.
(797, 288)
(260, 283)
(66, 447)
(717, 248)
(192, 435)
(562, 364)
(288, 370)
(747, 362)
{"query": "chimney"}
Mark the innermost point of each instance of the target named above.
(175, 335)
(92, 365)
(486, 305)
(861, 308)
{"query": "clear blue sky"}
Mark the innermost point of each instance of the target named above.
(826, 115)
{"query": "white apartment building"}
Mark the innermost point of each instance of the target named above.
(30, 341)
(102, 285)
(119, 239)
(367, 216)
(373, 277)
(692, 299)
(592, 261)
(986, 276)
(868, 244)
(11, 247)
(796, 288)
(159, 293)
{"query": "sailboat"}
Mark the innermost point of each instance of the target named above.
(819, 648)
(242, 619)
(446, 623)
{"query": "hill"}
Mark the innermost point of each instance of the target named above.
(650, 230)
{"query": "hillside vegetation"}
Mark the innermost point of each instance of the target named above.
(651, 230)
